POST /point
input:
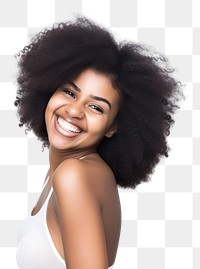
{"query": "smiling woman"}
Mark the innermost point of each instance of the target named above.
(84, 110)
(104, 110)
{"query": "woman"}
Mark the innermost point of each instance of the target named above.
(104, 109)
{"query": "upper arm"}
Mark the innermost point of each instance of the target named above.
(80, 220)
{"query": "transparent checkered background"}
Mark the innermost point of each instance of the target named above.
(161, 219)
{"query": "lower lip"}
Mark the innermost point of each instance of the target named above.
(64, 132)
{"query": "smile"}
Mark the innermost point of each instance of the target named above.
(68, 126)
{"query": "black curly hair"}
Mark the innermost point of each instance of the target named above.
(150, 94)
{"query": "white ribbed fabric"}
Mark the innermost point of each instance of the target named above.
(35, 245)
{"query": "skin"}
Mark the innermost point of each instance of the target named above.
(83, 213)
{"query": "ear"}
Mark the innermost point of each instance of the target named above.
(112, 131)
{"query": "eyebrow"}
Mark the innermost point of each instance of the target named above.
(101, 99)
(74, 86)
(92, 96)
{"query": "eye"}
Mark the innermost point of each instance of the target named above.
(97, 108)
(69, 92)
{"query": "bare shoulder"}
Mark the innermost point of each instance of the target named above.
(79, 215)
(85, 194)
(70, 171)
(90, 178)
(75, 172)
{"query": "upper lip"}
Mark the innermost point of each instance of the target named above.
(71, 122)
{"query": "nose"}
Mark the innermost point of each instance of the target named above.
(75, 110)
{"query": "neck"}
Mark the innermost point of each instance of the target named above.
(56, 157)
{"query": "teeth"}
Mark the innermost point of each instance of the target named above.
(67, 126)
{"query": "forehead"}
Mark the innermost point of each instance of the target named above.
(94, 82)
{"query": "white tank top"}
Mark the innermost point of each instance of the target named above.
(36, 249)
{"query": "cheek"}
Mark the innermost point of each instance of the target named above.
(51, 106)
(48, 111)
(100, 126)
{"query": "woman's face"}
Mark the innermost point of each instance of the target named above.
(82, 112)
